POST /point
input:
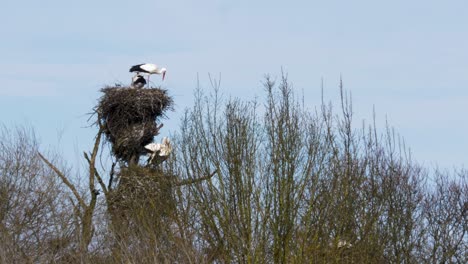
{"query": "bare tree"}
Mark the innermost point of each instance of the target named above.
(247, 182)
(446, 221)
(298, 186)
(35, 224)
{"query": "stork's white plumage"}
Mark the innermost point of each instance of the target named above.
(149, 69)
(343, 244)
(159, 151)
(153, 147)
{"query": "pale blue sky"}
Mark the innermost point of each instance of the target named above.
(408, 58)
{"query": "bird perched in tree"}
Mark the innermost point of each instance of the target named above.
(343, 244)
(159, 152)
(149, 69)
(138, 81)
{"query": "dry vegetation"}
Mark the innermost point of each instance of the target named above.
(287, 186)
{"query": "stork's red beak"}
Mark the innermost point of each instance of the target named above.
(164, 75)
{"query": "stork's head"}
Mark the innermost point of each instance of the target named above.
(163, 72)
(166, 147)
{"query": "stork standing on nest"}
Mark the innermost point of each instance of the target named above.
(149, 69)
(159, 152)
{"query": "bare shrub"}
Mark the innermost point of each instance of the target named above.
(35, 224)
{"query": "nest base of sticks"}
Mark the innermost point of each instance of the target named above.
(129, 118)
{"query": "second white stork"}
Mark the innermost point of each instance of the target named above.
(159, 152)
(343, 244)
(149, 69)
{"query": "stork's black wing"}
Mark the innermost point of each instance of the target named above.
(136, 68)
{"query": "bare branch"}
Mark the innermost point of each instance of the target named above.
(191, 181)
(98, 177)
(111, 176)
(92, 160)
(64, 180)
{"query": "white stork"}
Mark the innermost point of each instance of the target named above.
(149, 69)
(138, 81)
(159, 151)
(343, 244)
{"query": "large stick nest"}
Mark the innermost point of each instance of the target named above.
(129, 117)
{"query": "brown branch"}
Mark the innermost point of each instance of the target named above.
(64, 180)
(96, 173)
(92, 160)
(111, 176)
(101, 182)
(87, 230)
(191, 181)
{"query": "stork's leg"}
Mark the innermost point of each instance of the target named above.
(148, 80)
